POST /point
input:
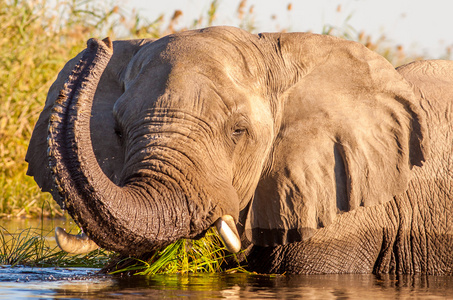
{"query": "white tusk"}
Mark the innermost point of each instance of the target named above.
(75, 244)
(226, 227)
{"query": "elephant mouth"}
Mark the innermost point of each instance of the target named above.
(81, 243)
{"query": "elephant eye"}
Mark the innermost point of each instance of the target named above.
(118, 132)
(240, 128)
(238, 133)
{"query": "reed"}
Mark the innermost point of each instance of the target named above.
(34, 45)
(31, 247)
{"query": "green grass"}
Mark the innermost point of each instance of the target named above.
(30, 247)
(184, 256)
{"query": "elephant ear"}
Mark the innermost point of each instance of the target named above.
(105, 143)
(349, 134)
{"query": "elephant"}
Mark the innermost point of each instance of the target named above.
(311, 153)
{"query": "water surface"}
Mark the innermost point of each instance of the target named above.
(79, 283)
(85, 283)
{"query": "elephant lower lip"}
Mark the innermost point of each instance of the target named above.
(226, 228)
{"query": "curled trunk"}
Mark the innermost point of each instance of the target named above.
(113, 217)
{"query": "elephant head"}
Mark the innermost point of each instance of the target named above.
(277, 133)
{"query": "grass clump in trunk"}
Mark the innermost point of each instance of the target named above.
(184, 256)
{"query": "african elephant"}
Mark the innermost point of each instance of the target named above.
(312, 151)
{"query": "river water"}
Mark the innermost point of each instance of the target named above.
(83, 283)
(22, 283)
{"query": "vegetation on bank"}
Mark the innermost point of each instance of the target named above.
(38, 37)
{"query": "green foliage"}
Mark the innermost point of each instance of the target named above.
(34, 46)
(30, 247)
(184, 256)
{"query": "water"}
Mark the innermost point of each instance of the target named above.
(22, 283)
(84, 283)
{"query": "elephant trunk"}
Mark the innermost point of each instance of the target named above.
(131, 219)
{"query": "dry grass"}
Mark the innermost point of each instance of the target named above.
(32, 51)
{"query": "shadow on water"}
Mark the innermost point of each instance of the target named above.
(84, 283)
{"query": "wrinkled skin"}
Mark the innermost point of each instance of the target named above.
(327, 158)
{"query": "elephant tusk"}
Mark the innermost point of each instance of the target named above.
(226, 227)
(75, 244)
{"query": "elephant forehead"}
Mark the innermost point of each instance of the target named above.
(213, 52)
(207, 84)
(208, 75)
(196, 85)
(194, 93)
